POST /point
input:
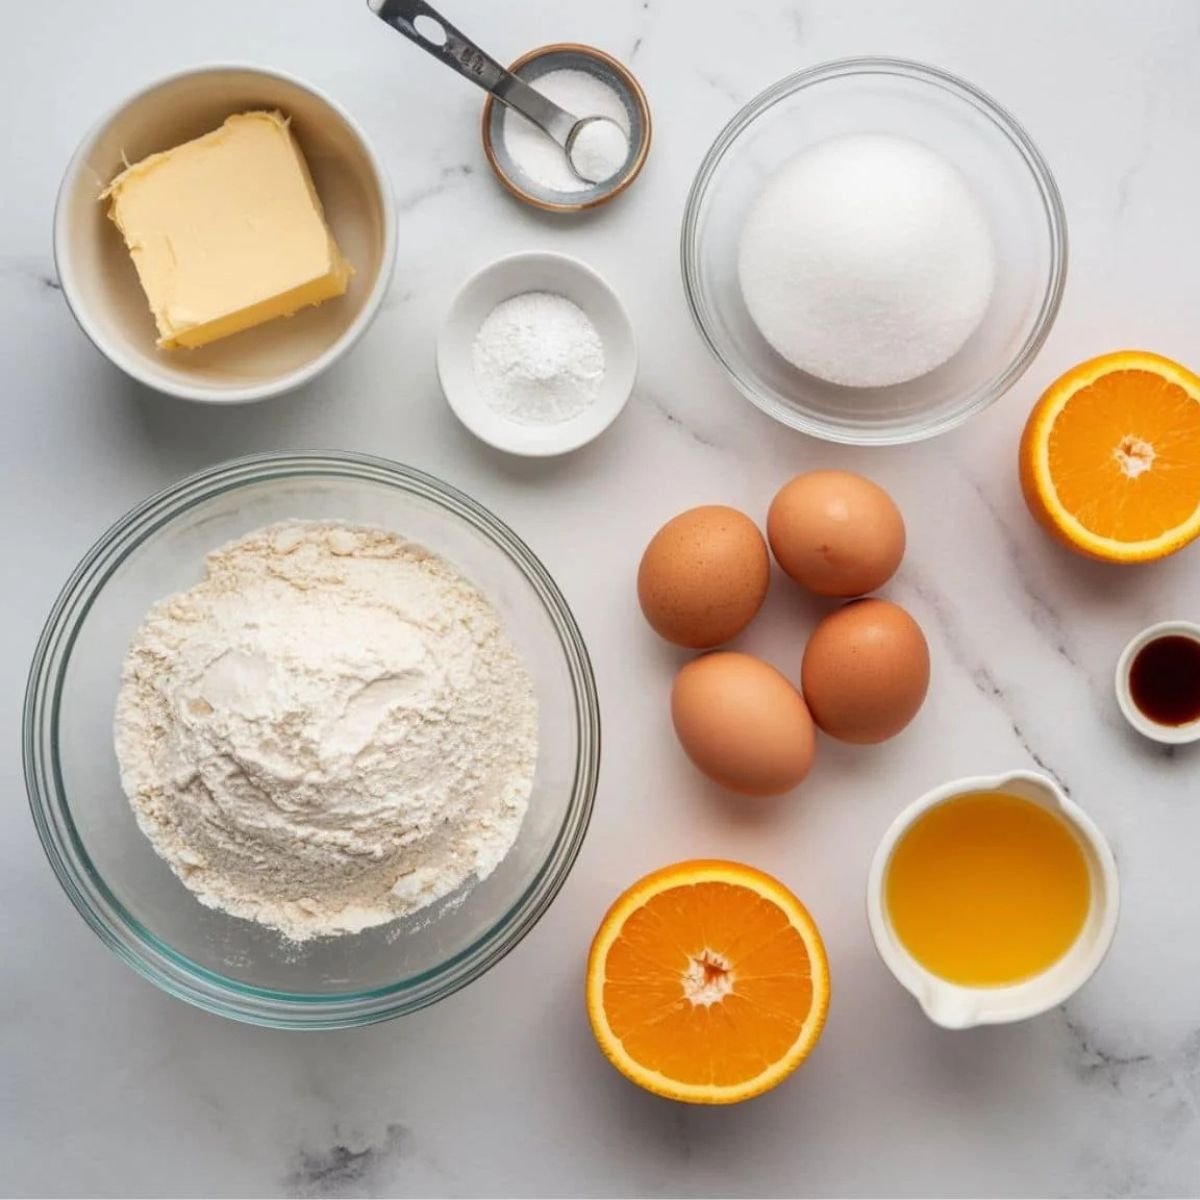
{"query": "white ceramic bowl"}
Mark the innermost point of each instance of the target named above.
(1169, 735)
(98, 278)
(513, 276)
(955, 1007)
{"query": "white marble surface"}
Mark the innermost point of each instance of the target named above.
(109, 1087)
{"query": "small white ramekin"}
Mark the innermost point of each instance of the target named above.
(956, 1007)
(536, 271)
(1170, 735)
(100, 283)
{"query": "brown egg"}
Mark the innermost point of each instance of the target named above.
(704, 576)
(865, 671)
(742, 723)
(836, 533)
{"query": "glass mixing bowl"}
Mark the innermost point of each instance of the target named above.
(952, 118)
(128, 894)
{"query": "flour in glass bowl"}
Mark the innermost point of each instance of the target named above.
(329, 731)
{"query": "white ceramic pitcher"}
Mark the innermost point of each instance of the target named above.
(954, 1006)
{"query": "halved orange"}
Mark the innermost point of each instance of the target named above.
(1110, 457)
(707, 982)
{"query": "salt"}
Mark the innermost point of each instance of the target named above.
(540, 157)
(599, 150)
(538, 359)
(867, 261)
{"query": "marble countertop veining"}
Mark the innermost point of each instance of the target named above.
(109, 1087)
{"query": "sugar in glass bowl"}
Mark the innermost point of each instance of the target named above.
(129, 896)
(1003, 168)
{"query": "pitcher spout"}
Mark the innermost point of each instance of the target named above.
(950, 1008)
(1038, 788)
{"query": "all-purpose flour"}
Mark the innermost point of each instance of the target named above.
(330, 730)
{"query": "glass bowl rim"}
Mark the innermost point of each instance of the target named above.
(986, 393)
(154, 959)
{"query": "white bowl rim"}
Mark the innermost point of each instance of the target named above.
(1168, 735)
(956, 1007)
(64, 266)
(465, 412)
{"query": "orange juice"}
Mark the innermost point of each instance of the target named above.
(987, 889)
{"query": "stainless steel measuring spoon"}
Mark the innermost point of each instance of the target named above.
(426, 27)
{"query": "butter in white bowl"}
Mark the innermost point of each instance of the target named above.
(100, 282)
(227, 231)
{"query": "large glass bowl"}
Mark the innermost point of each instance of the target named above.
(127, 893)
(952, 118)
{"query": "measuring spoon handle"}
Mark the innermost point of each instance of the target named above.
(461, 54)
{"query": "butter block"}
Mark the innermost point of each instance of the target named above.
(227, 231)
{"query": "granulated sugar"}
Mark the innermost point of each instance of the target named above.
(867, 261)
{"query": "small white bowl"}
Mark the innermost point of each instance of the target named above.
(98, 278)
(1169, 735)
(538, 271)
(956, 1007)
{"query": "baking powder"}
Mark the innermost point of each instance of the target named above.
(538, 359)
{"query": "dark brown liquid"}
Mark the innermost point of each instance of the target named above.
(1164, 680)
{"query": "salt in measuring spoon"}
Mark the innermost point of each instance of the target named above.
(590, 158)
